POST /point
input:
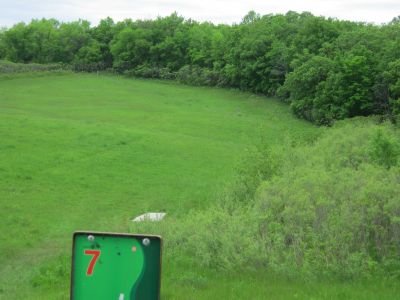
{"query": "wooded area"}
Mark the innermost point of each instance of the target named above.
(325, 68)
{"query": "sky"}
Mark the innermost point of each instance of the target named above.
(217, 11)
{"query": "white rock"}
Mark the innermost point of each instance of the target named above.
(150, 216)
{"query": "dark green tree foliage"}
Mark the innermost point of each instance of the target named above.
(170, 42)
(104, 34)
(34, 42)
(392, 82)
(71, 38)
(304, 87)
(325, 68)
(131, 48)
(2, 44)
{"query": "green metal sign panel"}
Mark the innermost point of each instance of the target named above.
(108, 266)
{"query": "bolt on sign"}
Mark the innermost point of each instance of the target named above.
(107, 266)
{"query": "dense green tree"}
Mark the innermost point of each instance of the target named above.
(304, 84)
(130, 48)
(30, 43)
(71, 38)
(392, 79)
(357, 75)
(89, 57)
(18, 42)
(2, 43)
(103, 34)
(200, 45)
(325, 68)
(170, 42)
(43, 34)
(251, 16)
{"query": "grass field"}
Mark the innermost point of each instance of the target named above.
(87, 152)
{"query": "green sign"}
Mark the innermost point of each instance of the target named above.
(115, 266)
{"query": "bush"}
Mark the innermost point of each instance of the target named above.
(258, 164)
(385, 149)
(326, 209)
(147, 71)
(195, 75)
(335, 210)
(7, 67)
(79, 66)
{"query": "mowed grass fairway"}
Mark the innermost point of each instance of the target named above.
(87, 152)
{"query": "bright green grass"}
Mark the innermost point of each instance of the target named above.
(86, 152)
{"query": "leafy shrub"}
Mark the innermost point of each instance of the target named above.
(195, 75)
(167, 74)
(144, 71)
(7, 67)
(258, 164)
(214, 238)
(336, 208)
(385, 149)
(147, 71)
(79, 66)
(330, 208)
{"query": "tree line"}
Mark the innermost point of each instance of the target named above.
(326, 69)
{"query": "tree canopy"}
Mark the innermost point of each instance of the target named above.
(326, 69)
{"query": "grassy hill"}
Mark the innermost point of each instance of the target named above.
(87, 152)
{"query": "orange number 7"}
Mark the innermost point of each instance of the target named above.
(96, 254)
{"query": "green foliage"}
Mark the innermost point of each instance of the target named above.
(71, 38)
(326, 69)
(332, 214)
(148, 71)
(7, 67)
(257, 165)
(385, 149)
(41, 40)
(103, 35)
(392, 82)
(195, 75)
(303, 86)
(130, 48)
(2, 44)
(329, 209)
(89, 58)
